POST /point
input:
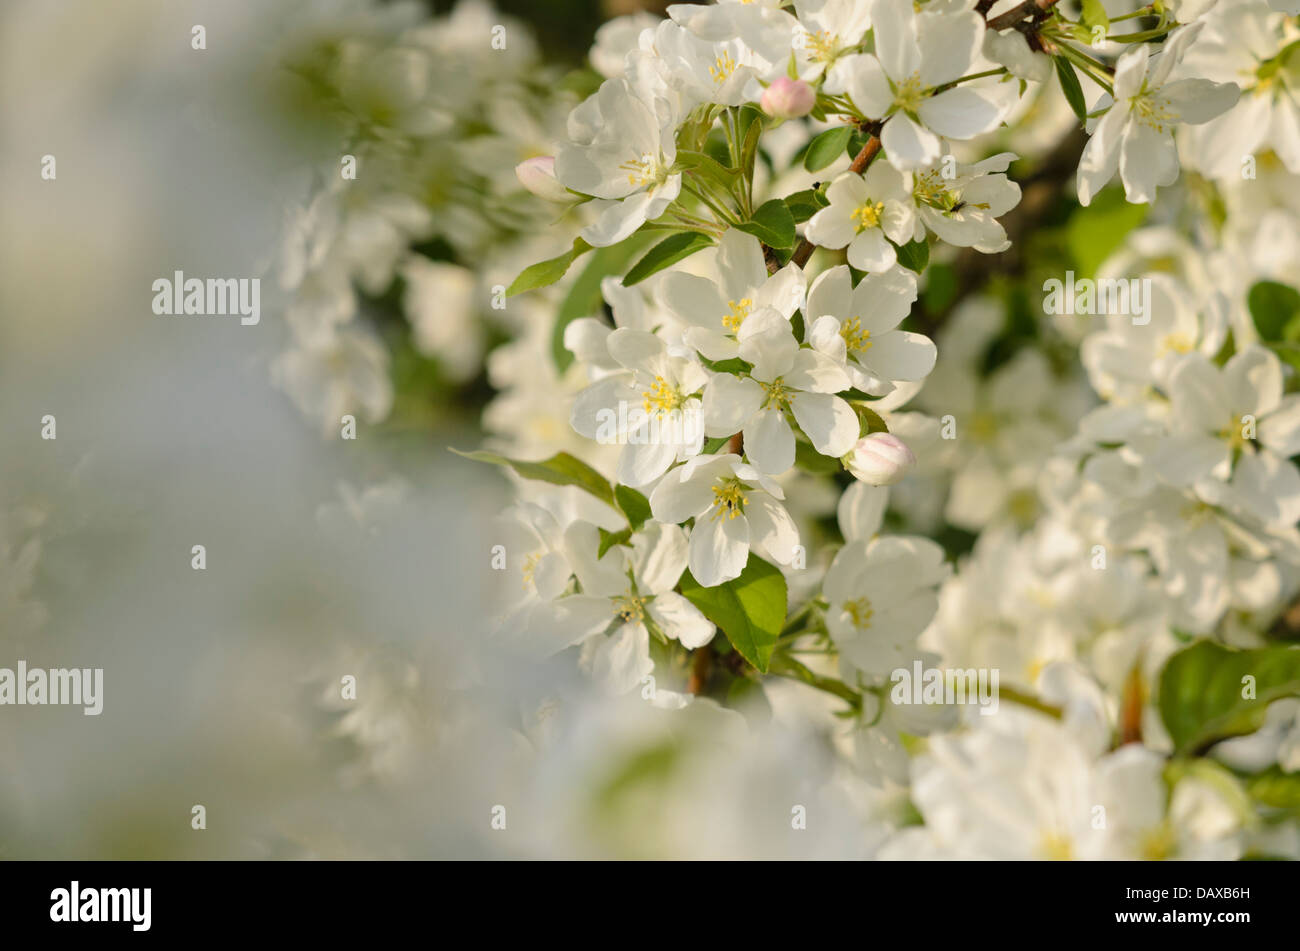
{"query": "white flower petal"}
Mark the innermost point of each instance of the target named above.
(770, 527)
(769, 442)
(828, 421)
(680, 619)
(719, 549)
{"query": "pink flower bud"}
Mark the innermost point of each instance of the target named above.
(788, 98)
(880, 459)
(538, 176)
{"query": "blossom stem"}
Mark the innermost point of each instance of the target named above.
(1028, 700)
(1086, 65)
(1146, 11)
(956, 82)
(786, 666)
(724, 216)
(1142, 37)
(730, 126)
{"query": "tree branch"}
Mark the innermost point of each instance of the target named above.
(1005, 21)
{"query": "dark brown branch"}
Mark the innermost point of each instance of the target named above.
(1004, 21)
(701, 668)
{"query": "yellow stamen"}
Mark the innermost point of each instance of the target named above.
(860, 611)
(630, 608)
(642, 171)
(737, 311)
(822, 46)
(729, 498)
(909, 93)
(868, 215)
(662, 396)
(1159, 843)
(856, 340)
(1235, 434)
(530, 565)
(778, 394)
(722, 68)
(1152, 111)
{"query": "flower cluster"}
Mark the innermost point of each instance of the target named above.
(774, 196)
(421, 124)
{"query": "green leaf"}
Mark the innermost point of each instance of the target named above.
(632, 504)
(1288, 353)
(560, 469)
(1275, 309)
(1093, 233)
(717, 148)
(584, 297)
(1277, 789)
(733, 365)
(803, 205)
(1070, 86)
(1201, 691)
(940, 288)
(1218, 777)
(869, 421)
(545, 273)
(796, 325)
(609, 539)
(751, 131)
(747, 694)
(749, 610)
(914, 255)
(857, 142)
(708, 167)
(772, 224)
(665, 254)
(1094, 14)
(827, 147)
(810, 460)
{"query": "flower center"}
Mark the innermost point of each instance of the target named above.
(984, 427)
(909, 94)
(722, 68)
(778, 394)
(1236, 433)
(729, 498)
(1022, 505)
(1159, 843)
(662, 396)
(856, 340)
(823, 46)
(630, 608)
(860, 612)
(737, 311)
(1152, 111)
(1271, 70)
(1176, 343)
(868, 215)
(643, 171)
(932, 189)
(530, 566)
(1195, 512)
